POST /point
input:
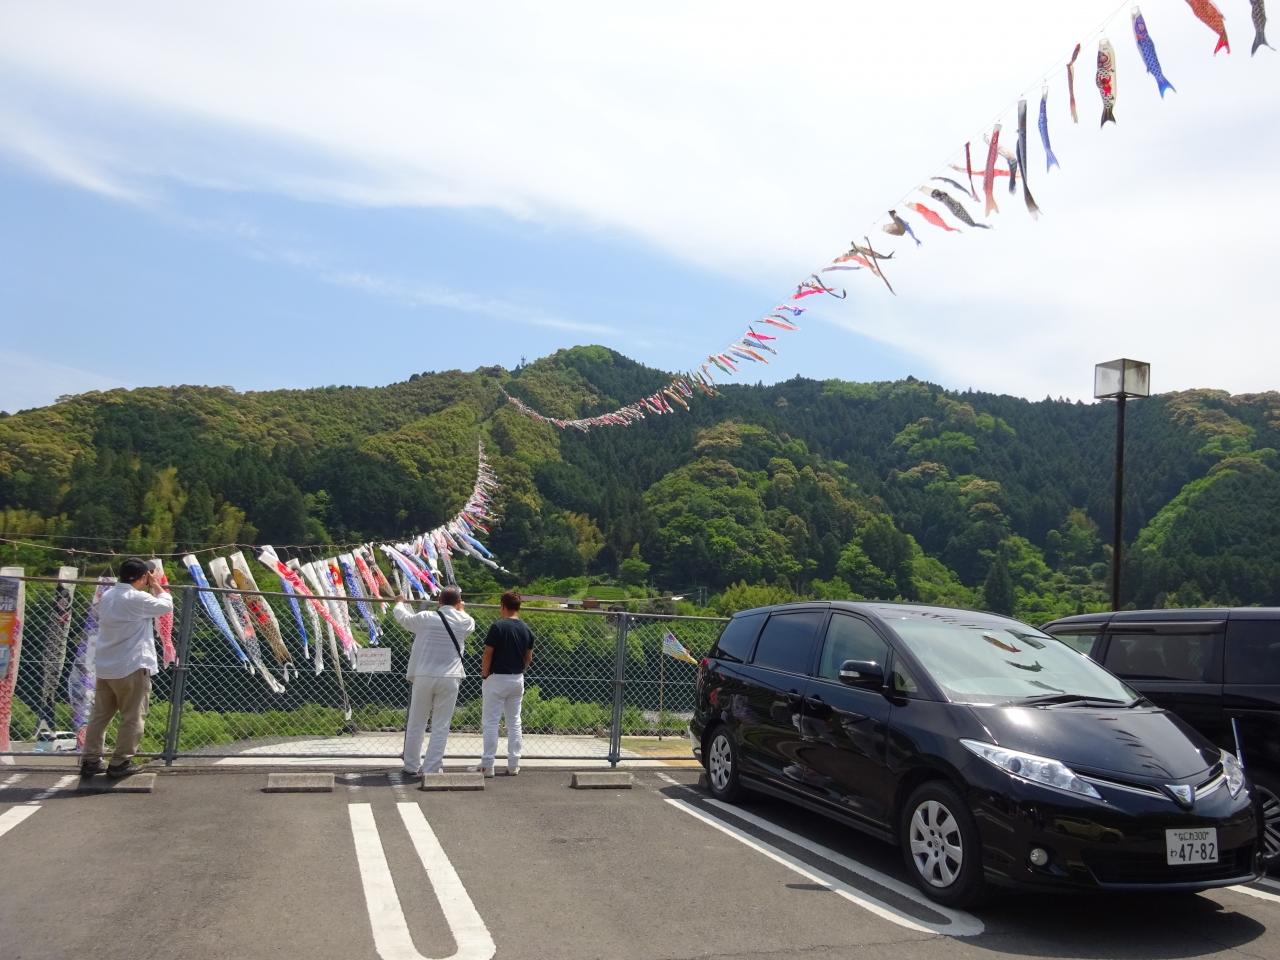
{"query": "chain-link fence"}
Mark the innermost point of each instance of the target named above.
(262, 677)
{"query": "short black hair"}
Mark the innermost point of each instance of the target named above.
(450, 596)
(133, 569)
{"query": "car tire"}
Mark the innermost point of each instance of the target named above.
(941, 846)
(1267, 787)
(722, 765)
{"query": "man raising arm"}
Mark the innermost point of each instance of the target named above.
(125, 662)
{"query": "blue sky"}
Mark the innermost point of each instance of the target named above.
(258, 291)
(309, 193)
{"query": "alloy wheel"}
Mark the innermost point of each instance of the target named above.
(937, 848)
(720, 762)
(1270, 823)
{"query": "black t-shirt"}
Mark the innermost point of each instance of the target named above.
(510, 639)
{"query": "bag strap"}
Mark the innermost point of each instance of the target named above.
(456, 645)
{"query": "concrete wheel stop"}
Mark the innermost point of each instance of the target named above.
(299, 783)
(601, 780)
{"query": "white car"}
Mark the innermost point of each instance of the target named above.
(56, 741)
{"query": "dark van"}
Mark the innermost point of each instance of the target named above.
(987, 750)
(1218, 669)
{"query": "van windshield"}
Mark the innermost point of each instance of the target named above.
(1002, 661)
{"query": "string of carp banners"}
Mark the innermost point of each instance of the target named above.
(422, 565)
(753, 344)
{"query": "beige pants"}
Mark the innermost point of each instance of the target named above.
(130, 698)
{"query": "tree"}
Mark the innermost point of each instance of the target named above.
(997, 589)
(864, 578)
(633, 571)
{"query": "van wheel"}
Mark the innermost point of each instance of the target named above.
(1267, 786)
(941, 847)
(722, 766)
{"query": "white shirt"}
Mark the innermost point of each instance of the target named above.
(433, 653)
(126, 642)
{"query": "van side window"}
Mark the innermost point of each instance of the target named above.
(1157, 656)
(738, 638)
(1253, 651)
(903, 680)
(849, 638)
(788, 641)
(1080, 642)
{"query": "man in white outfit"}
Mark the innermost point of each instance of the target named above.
(435, 670)
(125, 661)
(508, 651)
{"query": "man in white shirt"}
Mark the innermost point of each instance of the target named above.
(435, 670)
(124, 662)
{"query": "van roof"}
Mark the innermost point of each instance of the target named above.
(885, 610)
(1181, 614)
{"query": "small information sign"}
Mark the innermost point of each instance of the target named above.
(373, 660)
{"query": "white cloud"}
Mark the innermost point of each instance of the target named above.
(748, 138)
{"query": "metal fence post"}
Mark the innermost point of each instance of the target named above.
(186, 617)
(619, 682)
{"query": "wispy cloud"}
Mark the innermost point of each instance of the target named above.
(33, 382)
(257, 243)
(417, 295)
(47, 156)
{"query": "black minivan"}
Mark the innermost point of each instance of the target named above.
(1218, 669)
(988, 750)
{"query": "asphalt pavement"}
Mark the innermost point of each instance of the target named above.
(208, 865)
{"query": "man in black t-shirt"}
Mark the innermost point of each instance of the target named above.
(508, 650)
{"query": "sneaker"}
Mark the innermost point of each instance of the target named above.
(513, 771)
(93, 769)
(487, 771)
(406, 773)
(117, 771)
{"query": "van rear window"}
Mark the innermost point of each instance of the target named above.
(1253, 651)
(738, 638)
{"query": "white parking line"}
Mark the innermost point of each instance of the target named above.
(60, 785)
(386, 915)
(960, 925)
(14, 816)
(1268, 882)
(469, 931)
(668, 779)
(13, 780)
(1253, 892)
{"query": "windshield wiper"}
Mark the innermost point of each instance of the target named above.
(1050, 699)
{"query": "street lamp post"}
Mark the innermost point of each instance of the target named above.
(1119, 380)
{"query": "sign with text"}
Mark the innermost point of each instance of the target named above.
(373, 660)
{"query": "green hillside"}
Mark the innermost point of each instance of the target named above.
(805, 488)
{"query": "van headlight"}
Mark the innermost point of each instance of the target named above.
(1027, 766)
(1233, 772)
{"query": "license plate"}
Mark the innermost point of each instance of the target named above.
(1191, 846)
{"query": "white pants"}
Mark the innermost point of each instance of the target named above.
(435, 697)
(503, 693)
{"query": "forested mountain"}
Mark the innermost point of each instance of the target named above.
(804, 488)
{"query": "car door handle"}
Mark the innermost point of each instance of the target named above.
(815, 703)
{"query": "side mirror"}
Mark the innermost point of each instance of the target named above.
(862, 673)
